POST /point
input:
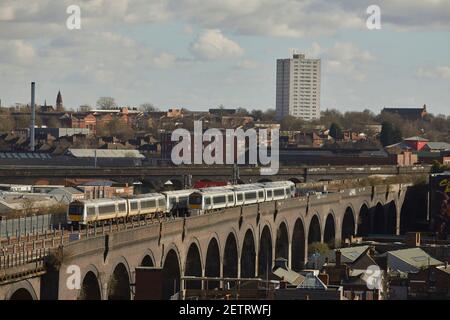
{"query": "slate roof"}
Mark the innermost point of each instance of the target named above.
(311, 281)
(415, 257)
(348, 255)
(438, 145)
(415, 138)
(408, 113)
(289, 276)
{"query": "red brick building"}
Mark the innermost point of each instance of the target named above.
(416, 143)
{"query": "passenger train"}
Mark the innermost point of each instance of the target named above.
(181, 202)
(239, 195)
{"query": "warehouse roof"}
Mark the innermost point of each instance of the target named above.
(348, 255)
(289, 276)
(416, 138)
(438, 145)
(105, 153)
(415, 257)
(70, 190)
(25, 155)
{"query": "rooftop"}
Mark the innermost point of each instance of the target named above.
(416, 138)
(439, 145)
(70, 190)
(100, 183)
(105, 153)
(289, 276)
(348, 255)
(415, 257)
(311, 281)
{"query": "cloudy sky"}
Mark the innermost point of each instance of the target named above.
(202, 53)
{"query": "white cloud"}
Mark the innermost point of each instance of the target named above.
(247, 64)
(16, 52)
(434, 73)
(278, 18)
(212, 45)
(7, 13)
(343, 58)
(187, 29)
(164, 60)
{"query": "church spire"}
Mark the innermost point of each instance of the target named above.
(59, 101)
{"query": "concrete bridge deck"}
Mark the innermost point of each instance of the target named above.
(158, 175)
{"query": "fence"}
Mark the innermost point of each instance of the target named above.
(22, 226)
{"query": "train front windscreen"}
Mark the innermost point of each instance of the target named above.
(76, 211)
(439, 205)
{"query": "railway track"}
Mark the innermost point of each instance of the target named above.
(16, 251)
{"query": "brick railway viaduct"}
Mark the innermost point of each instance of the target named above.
(236, 242)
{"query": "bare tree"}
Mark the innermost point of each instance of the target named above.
(148, 107)
(28, 206)
(106, 103)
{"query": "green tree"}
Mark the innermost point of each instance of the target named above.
(257, 115)
(269, 115)
(329, 116)
(318, 247)
(336, 131)
(291, 123)
(389, 134)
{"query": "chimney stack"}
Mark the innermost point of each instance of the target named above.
(281, 263)
(413, 239)
(338, 258)
(33, 116)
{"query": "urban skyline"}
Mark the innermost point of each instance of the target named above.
(180, 55)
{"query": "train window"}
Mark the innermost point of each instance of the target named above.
(122, 207)
(76, 209)
(148, 204)
(250, 195)
(278, 192)
(239, 196)
(230, 198)
(219, 199)
(269, 193)
(261, 194)
(288, 191)
(207, 200)
(183, 201)
(195, 199)
(133, 205)
(162, 202)
(111, 208)
(91, 211)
